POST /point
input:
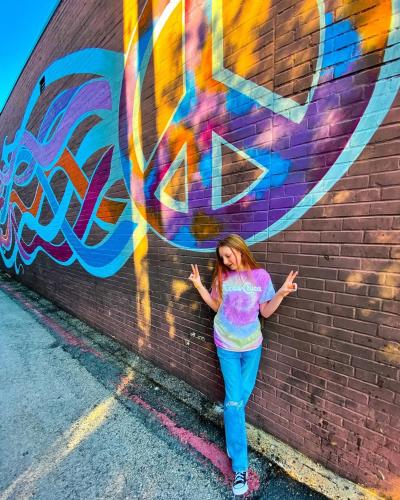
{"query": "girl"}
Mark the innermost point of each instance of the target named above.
(241, 290)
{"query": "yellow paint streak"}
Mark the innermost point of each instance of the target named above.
(242, 20)
(158, 7)
(307, 8)
(307, 14)
(168, 67)
(355, 277)
(391, 353)
(170, 318)
(392, 348)
(385, 281)
(372, 20)
(130, 13)
(179, 287)
(131, 22)
(342, 197)
(23, 486)
(203, 72)
(143, 305)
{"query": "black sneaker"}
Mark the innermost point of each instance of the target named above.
(240, 486)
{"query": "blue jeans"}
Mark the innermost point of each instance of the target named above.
(239, 370)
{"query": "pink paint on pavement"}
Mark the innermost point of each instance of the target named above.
(209, 450)
(50, 323)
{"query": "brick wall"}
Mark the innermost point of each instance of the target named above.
(279, 123)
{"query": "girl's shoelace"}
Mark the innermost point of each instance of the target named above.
(240, 477)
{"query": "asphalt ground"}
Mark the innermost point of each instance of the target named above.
(82, 417)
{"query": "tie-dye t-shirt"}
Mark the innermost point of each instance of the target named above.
(236, 324)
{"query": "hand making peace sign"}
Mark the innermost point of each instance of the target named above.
(195, 276)
(289, 286)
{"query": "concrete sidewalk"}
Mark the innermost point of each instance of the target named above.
(82, 417)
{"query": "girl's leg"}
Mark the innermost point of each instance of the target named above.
(250, 364)
(234, 416)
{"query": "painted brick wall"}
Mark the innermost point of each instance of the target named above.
(275, 120)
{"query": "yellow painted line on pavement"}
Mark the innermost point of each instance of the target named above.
(66, 444)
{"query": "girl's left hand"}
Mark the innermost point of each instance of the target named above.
(289, 286)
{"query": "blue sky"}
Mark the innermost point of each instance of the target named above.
(21, 24)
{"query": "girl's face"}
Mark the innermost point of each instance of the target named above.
(231, 258)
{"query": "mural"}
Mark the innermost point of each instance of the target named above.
(297, 150)
(240, 135)
(34, 161)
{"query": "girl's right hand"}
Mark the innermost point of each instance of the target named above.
(195, 276)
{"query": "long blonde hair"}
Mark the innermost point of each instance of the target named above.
(220, 270)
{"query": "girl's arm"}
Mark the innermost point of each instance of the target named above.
(206, 296)
(204, 293)
(268, 308)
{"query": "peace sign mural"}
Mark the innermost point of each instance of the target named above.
(255, 116)
(223, 116)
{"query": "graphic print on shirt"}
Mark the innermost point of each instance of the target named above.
(236, 324)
